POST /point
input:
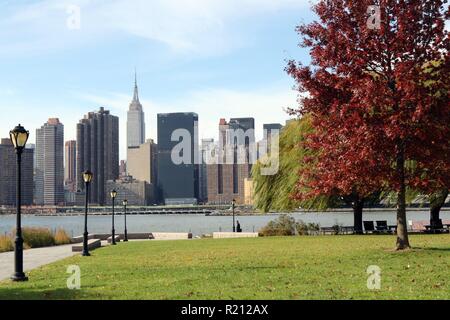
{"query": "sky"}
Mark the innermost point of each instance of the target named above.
(218, 58)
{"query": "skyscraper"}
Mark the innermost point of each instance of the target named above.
(135, 121)
(178, 183)
(226, 179)
(8, 178)
(269, 129)
(70, 167)
(98, 151)
(207, 145)
(49, 175)
(141, 163)
(122, 169)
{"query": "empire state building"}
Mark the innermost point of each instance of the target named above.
(135, 121)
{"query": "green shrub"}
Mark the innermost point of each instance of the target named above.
(313, 227)
(284, 225)
(6, 243)
(61, 237)
(302, 228)
(38, 237)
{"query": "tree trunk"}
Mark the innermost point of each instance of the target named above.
(358, 207)
(437, 200)
(402, 228)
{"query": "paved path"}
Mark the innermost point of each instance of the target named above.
(33, 258)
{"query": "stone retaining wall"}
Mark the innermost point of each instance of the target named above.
(224, 235)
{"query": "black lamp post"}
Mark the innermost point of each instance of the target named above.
(125, 202)
(113, 233)
(19, 137)
(87, 177)
(233, 204)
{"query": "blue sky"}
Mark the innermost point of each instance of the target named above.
(219, 58)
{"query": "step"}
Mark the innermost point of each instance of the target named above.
(170, 235)
(116, 238)
(92, 244)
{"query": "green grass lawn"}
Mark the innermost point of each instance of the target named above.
(322, 267)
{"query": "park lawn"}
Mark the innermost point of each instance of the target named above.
(314, 267)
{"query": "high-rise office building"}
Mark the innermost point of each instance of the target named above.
(205, 150)
(141, 164)
(135, 121)
(33, 147)
(122, 169)
(269, 129)
(178, 181)
(226, 178)
(98, 151)
(8, 178)
(49, 175)
(70, 167)
(137, 193)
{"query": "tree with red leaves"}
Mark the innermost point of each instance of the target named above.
(377, 92)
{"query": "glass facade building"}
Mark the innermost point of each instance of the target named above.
(178, 183)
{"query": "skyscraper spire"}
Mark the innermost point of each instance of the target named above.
(135, 120)
(136, 93)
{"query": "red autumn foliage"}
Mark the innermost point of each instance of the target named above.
(378, 98)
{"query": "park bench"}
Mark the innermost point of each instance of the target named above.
(369, 227)
(92, 244)
(382, 227)
(327, 230)
(347, 230)
(440, 228)
(392, 229)
(446, 224)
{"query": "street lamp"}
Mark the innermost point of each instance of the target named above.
(19, 137)
(125, 202)
(233, 204)
(113, 235)
(87, 177)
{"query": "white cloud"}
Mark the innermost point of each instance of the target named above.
(192, 26)
(266, 105)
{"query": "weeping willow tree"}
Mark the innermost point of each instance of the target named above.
(274, 192)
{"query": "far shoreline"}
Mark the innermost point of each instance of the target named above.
(105, 211)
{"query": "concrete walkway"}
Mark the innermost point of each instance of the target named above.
(33, 258)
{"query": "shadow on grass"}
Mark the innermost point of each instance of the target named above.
(433, 249)
(38, 294)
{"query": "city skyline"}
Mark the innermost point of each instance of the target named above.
(67, 73)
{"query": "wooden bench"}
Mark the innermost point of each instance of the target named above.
(92, 244)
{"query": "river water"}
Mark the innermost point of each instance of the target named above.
(196, 223)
